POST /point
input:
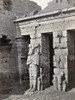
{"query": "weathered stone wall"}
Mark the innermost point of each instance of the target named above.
(9, 74)
(10, 69)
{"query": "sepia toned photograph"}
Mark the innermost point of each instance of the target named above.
(37, 49)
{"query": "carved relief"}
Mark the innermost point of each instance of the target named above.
(7, 4)
(59, 78)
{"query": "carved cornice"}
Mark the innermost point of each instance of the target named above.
(59, 12)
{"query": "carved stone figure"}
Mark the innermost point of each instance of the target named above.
(55, 82)
(40, 80)
(64, 86)
(59, 81)
(33, 62)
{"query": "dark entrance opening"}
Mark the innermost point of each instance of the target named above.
(71, 58)
(51, 57)
(47, 58)
(25, 74)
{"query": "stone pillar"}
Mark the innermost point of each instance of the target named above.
(18, 40)
(60, 59)
(19, 57)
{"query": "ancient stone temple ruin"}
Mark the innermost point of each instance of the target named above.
(53, 29)
(9, 10)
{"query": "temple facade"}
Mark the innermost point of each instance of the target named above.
(54, 30)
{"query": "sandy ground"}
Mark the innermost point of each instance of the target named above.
(47, 94)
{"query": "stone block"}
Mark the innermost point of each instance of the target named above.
(54, 63)
(64, 39)
(61, 65)
(60, 45)
(65, 65)
(57, 52)
(55, 34)
(38, 40)
(27, 30)
(38, 35)
(63, 45)
(56, 71)
(32, 36)
(56, 45)
(61, 71)
(32, 41)
(56, 58)
(64, 33)
(55, 40)
(64, 58)
(64, 51)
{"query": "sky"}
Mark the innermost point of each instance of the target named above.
(42, 3)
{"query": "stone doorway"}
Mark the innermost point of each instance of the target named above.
(47, 58)
(25, 49)
(71, 58)
(24, 54)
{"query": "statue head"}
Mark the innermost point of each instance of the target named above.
(30, 49)
(37, 48)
